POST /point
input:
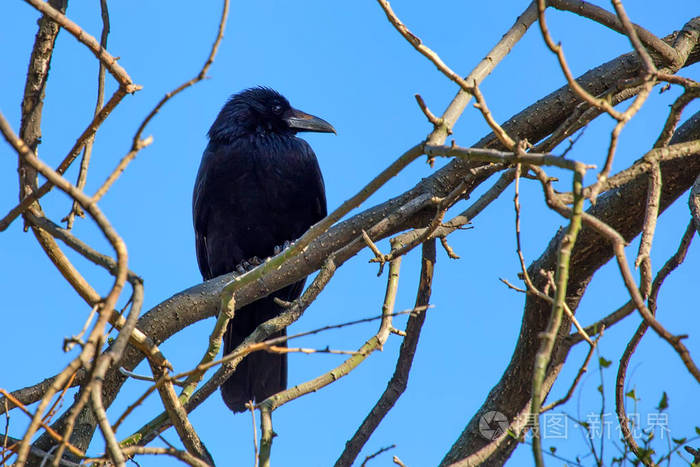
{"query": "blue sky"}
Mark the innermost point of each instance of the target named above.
(345, 63)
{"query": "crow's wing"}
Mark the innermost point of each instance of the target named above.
(200, 213)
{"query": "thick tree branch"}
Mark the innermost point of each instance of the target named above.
(622, 209)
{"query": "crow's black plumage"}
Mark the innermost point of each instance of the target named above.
(258, 186)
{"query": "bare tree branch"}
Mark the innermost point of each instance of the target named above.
(399, 381)
(617, 209)
(629, 204)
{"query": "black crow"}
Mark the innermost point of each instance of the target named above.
(258, 187)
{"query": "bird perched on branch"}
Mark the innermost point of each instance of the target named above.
(258, 187)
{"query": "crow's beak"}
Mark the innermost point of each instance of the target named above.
(301, 121)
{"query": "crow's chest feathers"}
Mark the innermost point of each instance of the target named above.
(277, 167)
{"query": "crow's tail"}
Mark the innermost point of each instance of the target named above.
(260, 374)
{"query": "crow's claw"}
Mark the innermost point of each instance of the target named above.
(248, 264)
(280, 248)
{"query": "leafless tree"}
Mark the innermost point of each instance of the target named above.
(622, 206)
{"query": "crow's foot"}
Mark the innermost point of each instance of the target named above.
(248, 264)
(280, 248)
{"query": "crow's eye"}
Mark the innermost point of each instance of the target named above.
(277, 109)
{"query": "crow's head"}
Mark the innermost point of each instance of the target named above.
(263, 110)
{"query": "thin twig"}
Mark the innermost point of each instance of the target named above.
(500, 133)
(113, 449)
(604, 17)
(420, 47)
(573, 84)
(399, 380)
(70, 421)
(462, 219)
(251, 407)
(214, 345)
(648, 77)
(674, 115)
(426, 111)
(68, 344)
(631, 33)
(694, 203)
(90, 42)
(51, 412)
(87, 151)
(643, 165)
(48, 429)
(138, 338)
(376, 342)
(38, 453)
(131, 408)
(550, 335)
(306, 350)
(184, 456)
(178, 416)
(7, 431)
(569, 313)
(378, 255)
(448, 249)
(495, 156)
(138, 142)
(481, 71)
(478, 206)
(618, 246)
(581, 371)
(150, 379)
(89, 131)
(518, 244)
(148, 432)
(604, 323)
(120, 278)
(625, 117)
(402, 244)
(670, 265)
(651, 213)
(157, 424)
(380, 451)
